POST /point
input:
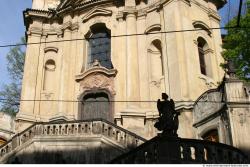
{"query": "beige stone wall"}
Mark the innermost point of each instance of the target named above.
(239, 113)
(143, 70)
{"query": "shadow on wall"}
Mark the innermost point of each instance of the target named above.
(87, 156)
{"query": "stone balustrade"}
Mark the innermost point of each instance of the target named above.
(73, 128)
(176, 150)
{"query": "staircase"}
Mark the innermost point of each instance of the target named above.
(86, 141)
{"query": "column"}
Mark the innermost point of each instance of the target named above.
(133, 89)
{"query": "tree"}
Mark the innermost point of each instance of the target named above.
(237, 45)
(10, 94)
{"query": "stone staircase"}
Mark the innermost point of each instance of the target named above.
(73, 142)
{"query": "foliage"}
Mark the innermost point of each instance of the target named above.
(237, 45)
(10, 93)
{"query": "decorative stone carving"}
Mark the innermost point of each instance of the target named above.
(97, 78)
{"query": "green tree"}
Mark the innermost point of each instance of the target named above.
(10, 93)
(237, 45)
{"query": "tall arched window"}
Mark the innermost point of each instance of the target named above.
(50, 67)
(99, 46)
(201, 50)
(204, 57)
(96, 105)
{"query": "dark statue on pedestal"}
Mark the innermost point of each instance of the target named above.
(168, 118)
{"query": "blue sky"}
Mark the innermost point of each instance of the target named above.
(12, 27)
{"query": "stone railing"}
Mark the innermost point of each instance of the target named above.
(87, 127)
(176, 150)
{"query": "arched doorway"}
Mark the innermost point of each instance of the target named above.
(211, 135)
(96, 105)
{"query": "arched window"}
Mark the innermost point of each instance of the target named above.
(211, 135)
(99, 46)
(50, 67)
(96, 105)
(204, 57)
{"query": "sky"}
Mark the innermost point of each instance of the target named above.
(12, 27)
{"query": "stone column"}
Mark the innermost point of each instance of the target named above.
(143, 65)
(133, 90)
(74, 70)
(65, 71)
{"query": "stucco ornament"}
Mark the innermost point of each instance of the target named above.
(97, 77)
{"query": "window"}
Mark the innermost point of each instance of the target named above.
(99, 46)
(204, 57)
(211, 135)
(96, 105)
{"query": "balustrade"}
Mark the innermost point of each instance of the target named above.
(105, 128)
(190, 151)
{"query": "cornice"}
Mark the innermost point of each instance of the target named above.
(213, 15)
(79, 5)
(219, 3)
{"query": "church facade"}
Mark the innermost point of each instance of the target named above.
(94, 70)
(113, 59)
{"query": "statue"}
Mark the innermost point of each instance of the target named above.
(168, 121)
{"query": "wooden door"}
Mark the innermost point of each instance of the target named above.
(96, 105)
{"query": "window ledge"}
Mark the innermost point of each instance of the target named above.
(210, 83)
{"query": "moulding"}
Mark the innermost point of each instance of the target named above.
(50, 48)
(97, 11)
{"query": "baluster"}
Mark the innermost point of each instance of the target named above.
(51, 130)
(121, 140)
(193, 153)
(76, 129)
(63, 129)
(69, 129)
(186, 152)
(90, 127)
(117, 136)
(113, 134)
(82, 128)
